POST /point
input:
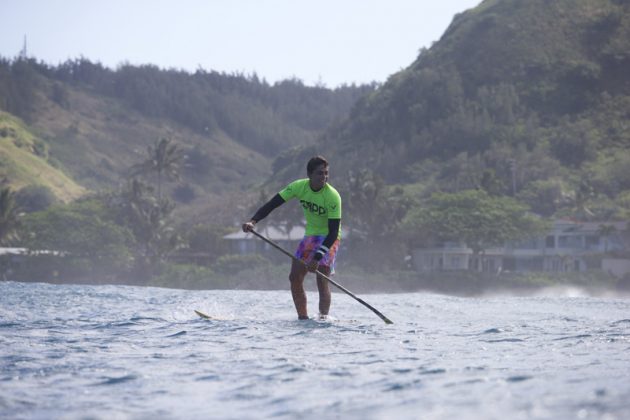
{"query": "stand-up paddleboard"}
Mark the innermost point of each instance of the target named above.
(202, 315)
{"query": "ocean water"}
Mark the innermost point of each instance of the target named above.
(118, 352)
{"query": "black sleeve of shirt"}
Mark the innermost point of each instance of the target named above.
(268, 207)
(333, 234)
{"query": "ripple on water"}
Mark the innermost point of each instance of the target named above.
(432, 371)
(116, 380)
(504, 340)
(493, 331)
(518, 378)
(573, 337)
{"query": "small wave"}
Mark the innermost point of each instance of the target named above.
(118, 380)
(435, 371)
(518, 378)
(145, 318)
(177, 334)
(115, 324)
(573, 337)
(401, 386)
(406, 358)
(505, 340)
(620, 322)
(493, 331)
(340, 373)
(208, 378)
(475, 368)
(396, 387)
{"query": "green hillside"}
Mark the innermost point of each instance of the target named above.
(98, 139)
(24, 160)
(526, 98)
(95, 122)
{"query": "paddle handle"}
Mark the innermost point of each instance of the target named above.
(340, 287)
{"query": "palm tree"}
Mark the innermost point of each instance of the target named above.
(164, 158)
(8, 215)
(148, 218)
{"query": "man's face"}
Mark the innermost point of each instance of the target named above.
(319, 177)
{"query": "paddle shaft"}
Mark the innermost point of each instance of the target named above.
(340, 287)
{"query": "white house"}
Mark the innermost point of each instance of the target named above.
(566, 247)
(246, 243)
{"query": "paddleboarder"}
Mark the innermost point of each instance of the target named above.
(321, 204)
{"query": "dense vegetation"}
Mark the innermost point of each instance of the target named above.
(263, 117)
(519, 106)
(95, 122)
(527, 99)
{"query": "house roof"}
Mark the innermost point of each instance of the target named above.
(586, 227)
(272, 232)
(13, 251)
(28, 252)
(276, 233)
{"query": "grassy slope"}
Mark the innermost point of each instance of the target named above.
(23, 161)
(98, 139)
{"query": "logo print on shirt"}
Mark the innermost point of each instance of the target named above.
(313, 208)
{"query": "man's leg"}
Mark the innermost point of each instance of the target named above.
(324, 290)
(296, 277)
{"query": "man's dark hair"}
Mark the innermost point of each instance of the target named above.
(314, 162)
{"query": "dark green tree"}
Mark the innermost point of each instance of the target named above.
(77, 241)
(149, 218)
(373, 212)
(83, 228)
(35, 198)
(205, 242)
(9, 215)
(473, 217)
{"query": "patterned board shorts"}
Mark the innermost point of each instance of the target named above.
(310, 244)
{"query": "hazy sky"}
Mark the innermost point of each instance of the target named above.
(324, 41)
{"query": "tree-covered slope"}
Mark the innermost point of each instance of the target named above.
(526, 98)
(97, 122)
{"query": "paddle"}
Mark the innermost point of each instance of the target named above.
(348, 292)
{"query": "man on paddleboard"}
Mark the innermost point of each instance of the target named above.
(321, 204)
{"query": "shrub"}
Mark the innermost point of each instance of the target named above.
(35, 198)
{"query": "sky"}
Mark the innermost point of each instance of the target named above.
(323, 42)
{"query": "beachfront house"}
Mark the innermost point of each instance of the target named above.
(568, 246)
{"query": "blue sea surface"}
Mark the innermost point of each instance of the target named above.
(103, 352)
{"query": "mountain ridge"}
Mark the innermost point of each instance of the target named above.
(95, 123)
